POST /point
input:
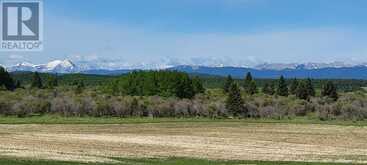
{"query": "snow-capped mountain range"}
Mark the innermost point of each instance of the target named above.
(209, 67)
(67, 66)
(280, 66)
(57, 66)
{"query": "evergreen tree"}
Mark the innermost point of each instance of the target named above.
(113, 88)
(252, 88)
(310, 88)
(265, 88)
(247, 81)
(184, 87)
(248, 77)
(228, 83)
(161, 83)
(51, 82)
(249, 84)
(5, 80)
(282, 89)
(293, 86)
(149, 86)
(269, 89)
(18, 84)
(330, 90)
(197, 85)
(79, 87)
(36, 81)
(131, 83)
(272, 89)
(234, 102)
(302, 91)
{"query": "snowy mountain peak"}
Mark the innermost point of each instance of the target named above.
(25, 64)
(56, 66)
(281, 66)
(60, 64)
(67, 66)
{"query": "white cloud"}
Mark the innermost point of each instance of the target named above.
(117, 44)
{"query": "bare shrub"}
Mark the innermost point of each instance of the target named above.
(325, 112)
(353, 111)
(5, 107)
(182, 108)
(252, 110)
(119, 108)
(217, 110)
(198, 109)
(267, 112)
(87, 106)
(65, 106)
(158, 107)
(31, 105)
(20, 109)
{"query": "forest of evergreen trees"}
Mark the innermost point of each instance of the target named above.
(6, 82)
(176, 94)
(159, 83)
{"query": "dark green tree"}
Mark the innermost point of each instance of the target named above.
(149, 85)
(114, 89)
(330, 90)
(248, 77)
(228, 83)
(252, 88)
(302, 91)
(310, 87)
(51, 82)
(5, 80)
(247, 80)
(18, 84)
(282, 89)
(161, 83)
(249, 84)
(234, 102)
(79, 87)
(293, 86)
(184, 87)
(197, 85)
(36, 81)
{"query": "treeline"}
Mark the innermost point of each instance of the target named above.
(177, 94)
(26, 78)
(209, 82)
(302, 90)
(177, 84)
(343, 85)
(49, 81)
(6, 82)
(156, 83)
(213, 104)
(139, 83)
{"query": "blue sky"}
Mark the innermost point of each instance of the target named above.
(231, 31)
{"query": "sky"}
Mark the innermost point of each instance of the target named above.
(232, 32)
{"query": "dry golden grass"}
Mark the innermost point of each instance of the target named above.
(230, 141)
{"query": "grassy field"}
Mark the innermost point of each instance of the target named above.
(168, 161)
(49, 119)
(199, 139)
